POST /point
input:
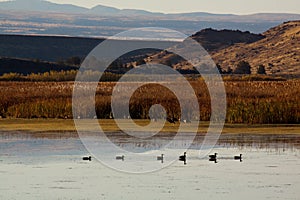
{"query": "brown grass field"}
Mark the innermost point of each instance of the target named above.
(249, 102)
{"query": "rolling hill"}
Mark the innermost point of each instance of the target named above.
(40, 17)
(211, 40)
(40, 5)
(57, 48)
(278, 51)
(101, 10)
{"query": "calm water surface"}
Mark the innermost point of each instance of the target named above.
(50, 167)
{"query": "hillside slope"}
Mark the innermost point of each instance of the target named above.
(279, 51)
(211, 40)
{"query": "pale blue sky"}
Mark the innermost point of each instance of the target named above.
(213, 6)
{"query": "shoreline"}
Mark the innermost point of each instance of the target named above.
(67, 126)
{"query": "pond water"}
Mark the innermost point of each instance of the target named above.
(50, 166)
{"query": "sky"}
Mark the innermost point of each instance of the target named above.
(212, 6)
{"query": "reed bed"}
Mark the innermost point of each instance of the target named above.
(253, 102)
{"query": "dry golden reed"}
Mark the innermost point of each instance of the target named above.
(260, 102)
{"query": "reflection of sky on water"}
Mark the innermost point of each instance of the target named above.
(62, 143)
(39, 145)
(50, 167)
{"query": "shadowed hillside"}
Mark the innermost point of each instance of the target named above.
(275, 52)
(46, 48)
(214, 40)
(9, 65)
(211, 40)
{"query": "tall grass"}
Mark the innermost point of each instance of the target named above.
(259, 102)
(61, 76)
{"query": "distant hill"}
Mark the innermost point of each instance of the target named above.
(214, 40)
(21, 66)
(46, 48)
(40, 5)
(278, 52)
(46, 6)
(211, 40)
(26, 54)
(42, 17)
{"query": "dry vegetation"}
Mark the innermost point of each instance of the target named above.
(278, 52)
(248, 101)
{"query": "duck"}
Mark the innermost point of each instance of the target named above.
(213, 156)
(120, 157)
(213, 160)
(89, 158)
(161, 158)
(238, 157)
(183, 158)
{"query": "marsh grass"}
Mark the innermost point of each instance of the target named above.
(250, 102)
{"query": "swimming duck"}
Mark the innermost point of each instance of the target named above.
(120, 157)
(89, 158)
(213, 160)
(161, 158)
(238, 157)
(213, 156)
(183, 158)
